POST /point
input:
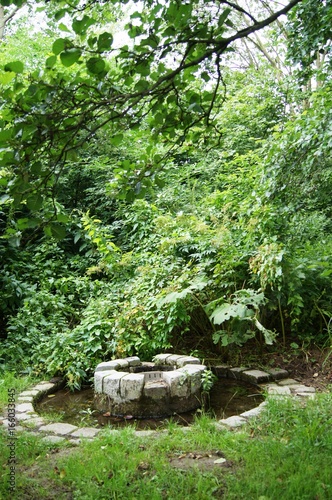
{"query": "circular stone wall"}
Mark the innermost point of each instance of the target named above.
(170, 384)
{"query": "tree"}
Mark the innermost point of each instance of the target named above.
(169, 77)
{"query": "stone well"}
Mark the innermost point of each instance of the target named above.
(170, 384)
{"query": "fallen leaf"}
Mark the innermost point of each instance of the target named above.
(107, 414)
(62, 474)
(315, 375)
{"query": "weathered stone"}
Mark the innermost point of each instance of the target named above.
(255, 376)
(123, 363)
(161, 358)
(44, 387)
(131, 386)
(85, 432)
(53, 439)
(301, 388)
(133, 361)
(32, 392)
(156, 389)
(233, 422)
(254, 412)
(308, 395)
(25, 416)
(173, 359)
(98, 379)
(111, 384)
(187, 360)
(34, 422)
(277, 373)
(194, 374)
(220, 371)
(236, 372)
(107, 366)
(24, 408)
(288, 381)
(25, 399)
(274, 389)
(178, 383)
(59, 428)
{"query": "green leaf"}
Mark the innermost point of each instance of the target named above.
(63, 27)
(59, 45)
(95, 65)
(58, 231)
(34, 202)
(116, 139)
(15, 67)
(105, 41)
(223, 16)
(61, 217)
(6, 78)
(228, 311)
(80, 26)
(5, 135)
(70, 56)
(50, 62)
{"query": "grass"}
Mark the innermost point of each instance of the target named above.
(285, 454)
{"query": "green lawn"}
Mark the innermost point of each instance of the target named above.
(285, 453)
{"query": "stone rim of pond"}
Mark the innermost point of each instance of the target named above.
(274, 382)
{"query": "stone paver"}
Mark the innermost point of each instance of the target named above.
(85, 432)
(59, 428)
(233, 422)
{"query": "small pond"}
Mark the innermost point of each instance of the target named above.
(228, 397)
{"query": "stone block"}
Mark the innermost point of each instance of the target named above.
(295, 389)
(178, 382)
(111, 384)
(187, 360)
(277, 373)
(32, 392)
(254, 412)
(133, 361)
(25, 416)
(53, 439)
(233, 422)
(98, 380)
(156, 390)
(123, 363)
(173, 359)
(236, 372)
(85, 432)
(24, 408)
(160, 359)
(131, 386)
(255, 376)
(194, 374)
(107, 365)
(25, 399)
(277, 390)
(221, 371)
(288, 381)
(44, 387)
(59, 428)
